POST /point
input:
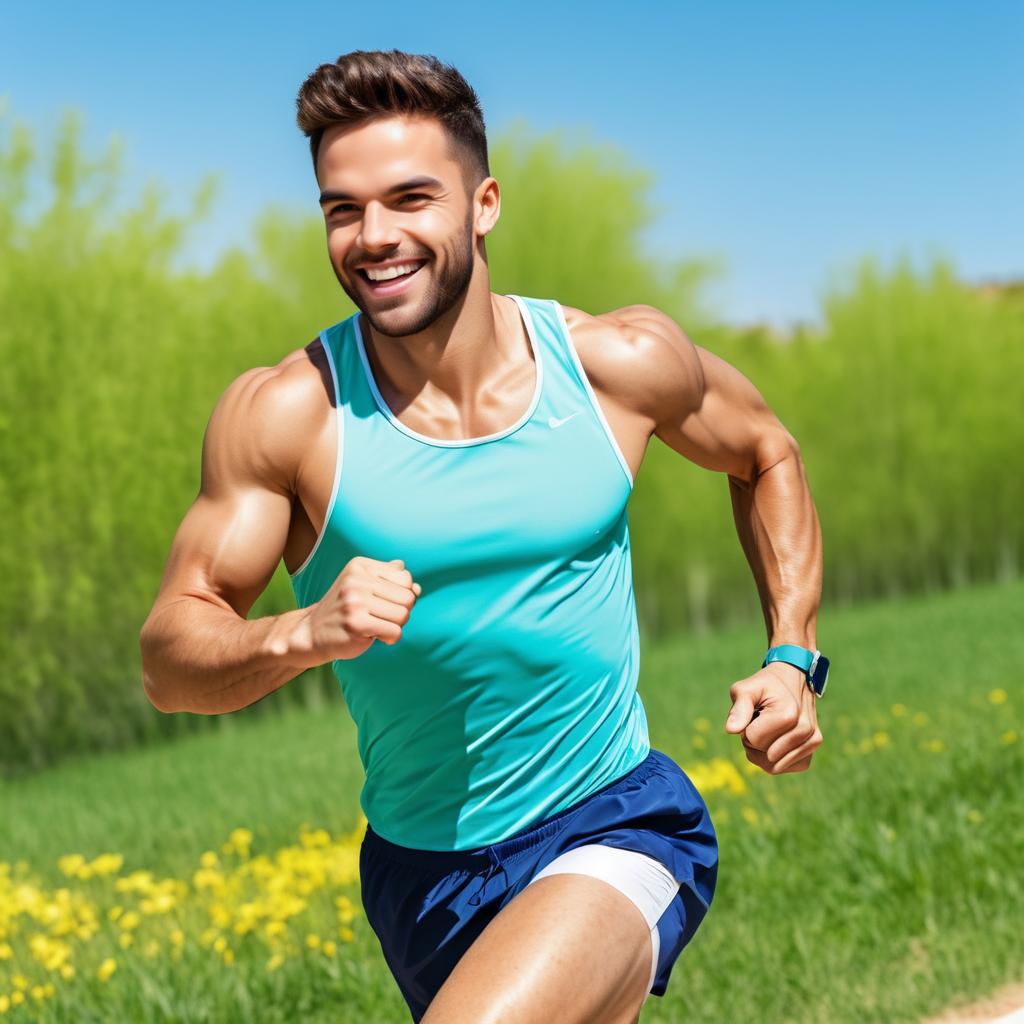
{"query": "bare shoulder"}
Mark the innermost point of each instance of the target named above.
(640, 357)
(268, 417)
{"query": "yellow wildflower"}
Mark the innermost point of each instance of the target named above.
(106, 969)
(329, 948)
(997, 696)
(898, 710)
(702, 725)
(1008, 737)
(881, 739)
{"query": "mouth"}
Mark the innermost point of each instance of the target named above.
(394, 285)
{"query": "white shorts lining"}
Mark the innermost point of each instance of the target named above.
(646, 881)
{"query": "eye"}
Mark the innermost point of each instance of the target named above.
(415, 195)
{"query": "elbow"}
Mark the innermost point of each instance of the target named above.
(156, 694)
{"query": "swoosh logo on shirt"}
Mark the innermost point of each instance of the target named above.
(552, 422)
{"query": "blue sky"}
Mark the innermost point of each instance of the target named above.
(787, 139)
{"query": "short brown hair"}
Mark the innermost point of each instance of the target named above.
(367, 85)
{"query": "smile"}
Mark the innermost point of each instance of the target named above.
(393, 285)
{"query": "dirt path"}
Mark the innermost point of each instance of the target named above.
(1004, 1006)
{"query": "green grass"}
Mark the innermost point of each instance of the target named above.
(878, 886)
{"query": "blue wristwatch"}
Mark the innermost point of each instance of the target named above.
(814, 664)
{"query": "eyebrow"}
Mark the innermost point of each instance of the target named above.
(424, 181)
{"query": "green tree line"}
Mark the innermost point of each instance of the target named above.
(906, 407)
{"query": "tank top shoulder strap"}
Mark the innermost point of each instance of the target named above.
(569, 386)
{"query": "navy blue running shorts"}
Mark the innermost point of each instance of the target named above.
(427, 907)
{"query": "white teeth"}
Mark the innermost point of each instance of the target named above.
(389, 272)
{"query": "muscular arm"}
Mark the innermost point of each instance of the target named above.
(706, 410)
(199, 652)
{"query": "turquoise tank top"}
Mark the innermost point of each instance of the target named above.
(512, 693)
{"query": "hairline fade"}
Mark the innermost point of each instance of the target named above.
(371, 85)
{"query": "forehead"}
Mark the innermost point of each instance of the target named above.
(382, 152)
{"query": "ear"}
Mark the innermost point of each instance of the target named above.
(486, 206)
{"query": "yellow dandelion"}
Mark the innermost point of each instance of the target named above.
(329, 948)
(699, 742)
(1008, 737)
(37, 993)
(241, 838)
(898, 710)
(313, 941)
(209, 859)
(228, 956)
(274, 962)
(881, 739)
(125, 939)
(750, 815)
(177, 937)
(19, 981)
(115, 912)
(70, 864)
(5, 1004)
(67, 971)
(107, 864)
(17, 998)
(920, 718)
(130, 920)
(49, 989)
(220, 944)
(346, 934)
(106, 969)
(997, 696)
(5, 951)
(702, 725)
(935, 746)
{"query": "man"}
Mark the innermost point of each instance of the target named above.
(446, 472)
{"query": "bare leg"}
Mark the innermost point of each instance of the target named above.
(569, 948)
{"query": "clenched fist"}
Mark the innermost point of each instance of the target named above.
(370, 600)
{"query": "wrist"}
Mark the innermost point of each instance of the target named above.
(291, 639)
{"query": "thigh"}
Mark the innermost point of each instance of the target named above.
(569, 948)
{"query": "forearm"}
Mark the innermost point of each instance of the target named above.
(200, 657)
(781, 537)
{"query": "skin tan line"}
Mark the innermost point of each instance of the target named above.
(453, 360)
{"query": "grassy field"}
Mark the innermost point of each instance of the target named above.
(214, 878)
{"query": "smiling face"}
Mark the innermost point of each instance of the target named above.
(394, 196)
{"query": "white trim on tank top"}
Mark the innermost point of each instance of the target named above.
(460, 442)
(593, 396)
(340, 427)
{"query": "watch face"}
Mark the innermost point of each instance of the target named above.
(820, 674)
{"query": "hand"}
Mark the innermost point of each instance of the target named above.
(775, 710)
(370, 600)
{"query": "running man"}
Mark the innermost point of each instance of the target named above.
(445, 473)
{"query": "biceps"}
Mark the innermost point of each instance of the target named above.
(729, 427)
(227, 548)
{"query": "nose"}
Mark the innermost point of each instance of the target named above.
(378, 230)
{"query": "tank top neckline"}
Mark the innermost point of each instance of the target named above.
(467, 441)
